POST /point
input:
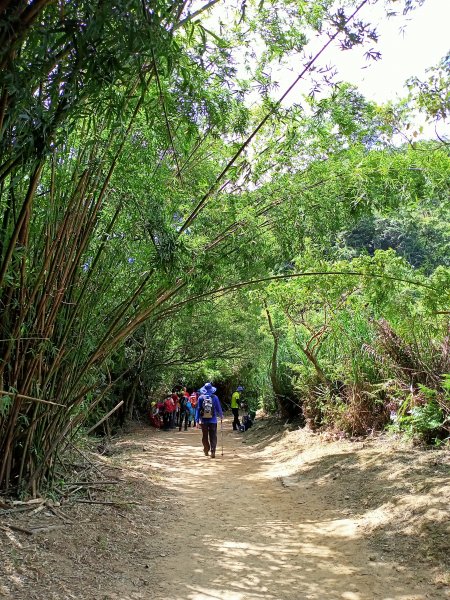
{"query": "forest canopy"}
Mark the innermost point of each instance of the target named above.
(168, 216)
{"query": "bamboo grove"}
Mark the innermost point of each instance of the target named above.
(131, 192)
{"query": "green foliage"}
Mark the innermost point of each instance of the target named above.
(424, 421)
(138, 190)
(422, 239)
(5, 405)
(432, 95)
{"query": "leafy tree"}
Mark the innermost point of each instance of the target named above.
(432, 95)
(126, 210)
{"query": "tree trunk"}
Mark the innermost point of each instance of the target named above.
(313, 359)
(282, 406)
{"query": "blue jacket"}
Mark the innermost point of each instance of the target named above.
(217, 410)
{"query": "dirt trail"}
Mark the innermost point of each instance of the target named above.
(244, 532)
(272, 522)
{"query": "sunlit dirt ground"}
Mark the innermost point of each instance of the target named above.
(281, 515)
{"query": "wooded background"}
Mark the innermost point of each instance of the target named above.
(167, 217)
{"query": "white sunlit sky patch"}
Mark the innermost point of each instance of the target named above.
(408, 45)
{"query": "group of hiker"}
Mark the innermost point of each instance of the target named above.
(193, 408)
(176, 410)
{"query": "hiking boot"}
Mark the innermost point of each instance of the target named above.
(206, 452)
(213, 455)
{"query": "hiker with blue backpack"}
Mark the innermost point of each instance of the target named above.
(208, 409)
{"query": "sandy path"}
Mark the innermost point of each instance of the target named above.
(290, 517)
(241, 534)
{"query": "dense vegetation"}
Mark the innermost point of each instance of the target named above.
(158, 225)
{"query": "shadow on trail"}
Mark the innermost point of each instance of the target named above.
(266, 432)
(245, 526)
(354, 486)
(239, 535)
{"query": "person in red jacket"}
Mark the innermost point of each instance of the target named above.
(169, 409)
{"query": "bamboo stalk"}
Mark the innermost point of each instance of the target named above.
(34, 180)
(40, 400)
(51, 290)
(166, 117)
(242, 284)
(113, 410)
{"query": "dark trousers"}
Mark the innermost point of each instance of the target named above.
(236, 422)
(209, 437)
(166, 420)
(184, 416)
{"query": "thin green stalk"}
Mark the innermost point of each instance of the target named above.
(26, 206)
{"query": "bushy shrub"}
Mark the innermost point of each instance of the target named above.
(425, 416)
